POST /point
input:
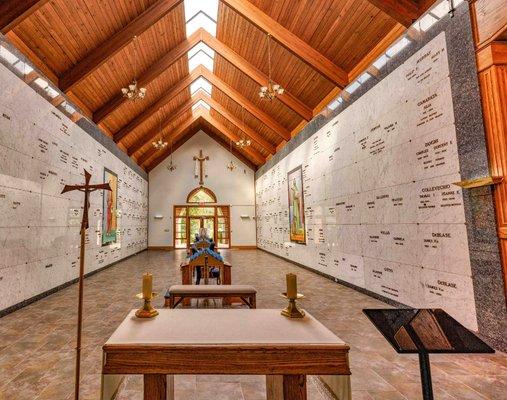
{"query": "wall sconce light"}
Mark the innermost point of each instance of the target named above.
(158, 216)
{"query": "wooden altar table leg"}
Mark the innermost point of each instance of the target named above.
(274, 387)
(294, 387)
(158, 387)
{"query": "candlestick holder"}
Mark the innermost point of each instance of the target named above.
(292, 310)
(147, 310)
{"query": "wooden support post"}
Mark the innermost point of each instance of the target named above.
(156, 387)
(294, 387)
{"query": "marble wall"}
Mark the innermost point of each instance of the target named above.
(381, 209)
(40, 151)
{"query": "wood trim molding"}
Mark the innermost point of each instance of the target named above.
(493, 85)
(290, 41)
(249, 247)
(114, 44)
(494, 54)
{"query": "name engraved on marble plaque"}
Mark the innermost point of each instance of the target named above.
(427, 111)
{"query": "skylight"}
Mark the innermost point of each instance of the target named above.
(201, 103)
(201, 20)
(7, 55)
(427, 22)
(364, 77)
(335, 103)
(397, 47)
(352, 87)
(200, 84)
(381, 61)
(200, 58)
(193, 7)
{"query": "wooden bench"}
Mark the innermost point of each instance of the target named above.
(246, 293)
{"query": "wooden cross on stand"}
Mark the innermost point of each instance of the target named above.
(201, 160)
(87, 189)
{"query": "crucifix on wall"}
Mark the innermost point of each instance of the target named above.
(199, 167)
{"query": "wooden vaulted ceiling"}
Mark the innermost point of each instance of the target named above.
(85, 47)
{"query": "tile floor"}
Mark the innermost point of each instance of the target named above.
(37, 342)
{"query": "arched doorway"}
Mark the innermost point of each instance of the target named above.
(201, 211)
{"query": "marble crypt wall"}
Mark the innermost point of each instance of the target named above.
(382, 213)
(40, 151)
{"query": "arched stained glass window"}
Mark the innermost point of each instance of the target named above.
(201, 195)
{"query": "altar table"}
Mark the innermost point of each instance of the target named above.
(229, 342)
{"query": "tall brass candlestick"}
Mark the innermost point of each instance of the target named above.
(292, 310)
(292, 286)
(147, 294)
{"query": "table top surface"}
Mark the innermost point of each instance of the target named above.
(215, 327)
(425, 330)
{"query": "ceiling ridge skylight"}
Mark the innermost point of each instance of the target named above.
(201, 14)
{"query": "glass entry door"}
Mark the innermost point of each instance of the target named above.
(196, 223)
(188, 220)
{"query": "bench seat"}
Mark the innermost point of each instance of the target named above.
(247, 293)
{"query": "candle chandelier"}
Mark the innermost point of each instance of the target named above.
(160, 143)
(133, 91)
(243, 142)
(272, 90)
(231, 166)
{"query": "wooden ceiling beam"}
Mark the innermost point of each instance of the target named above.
(403, 11)
(236, 96)
(161, 102)
(258, 76)
(239, 124)
(13, 12)
(152, 73)
(244, 159)
(290, 41)
(257, 157)
(114, 44)
(174, 115)
(147, 159)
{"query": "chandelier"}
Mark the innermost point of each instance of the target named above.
(230, 165)
(133, 91)
(273, 89)
(243, 142)
(171, 167)
(160, 143)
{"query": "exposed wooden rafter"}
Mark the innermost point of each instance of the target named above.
(161, 102)
(205, 127)
(12, 12)
(290, 41)
(113, 45)
(152, 134)
(239, 124)
(150, 74)
(233, 94)
(258, 76)
(252, 153)
(180, 130)
(403, 11)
